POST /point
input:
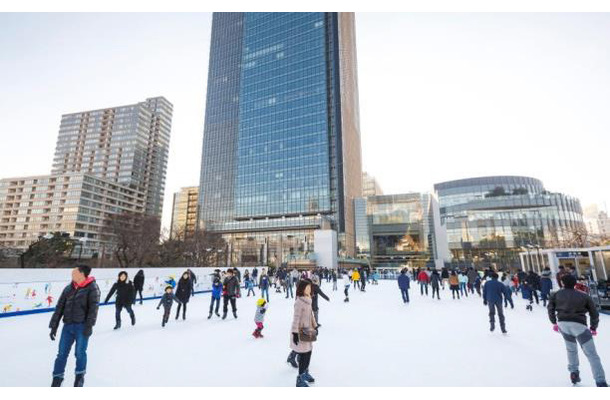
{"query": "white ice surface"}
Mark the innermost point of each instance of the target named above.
(374, 340)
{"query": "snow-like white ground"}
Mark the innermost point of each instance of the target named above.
(375, 340)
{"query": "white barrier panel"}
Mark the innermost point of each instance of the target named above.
(37, 289)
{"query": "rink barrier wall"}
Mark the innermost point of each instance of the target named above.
(51, 309)
(36, 290)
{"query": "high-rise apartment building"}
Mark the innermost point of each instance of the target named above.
(73, 203)
(127, 145)
(184, 213)
(281, 149)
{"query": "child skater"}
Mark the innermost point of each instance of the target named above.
(526, 292)
(167, 300)
(346, 285)
(259, 317)
(216, 293)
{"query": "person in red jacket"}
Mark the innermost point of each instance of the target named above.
(423, 280)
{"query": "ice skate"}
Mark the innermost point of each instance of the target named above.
(575, 377)
(292, 360)
(79, 380)
(301, 382)
(117, 325)
(209, 315)
(57, 382)
(308, 377)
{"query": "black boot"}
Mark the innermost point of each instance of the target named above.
(118, 325)
(292, 359)
(79, 381)
(224, 315)
(210, 316)
(217, 314)
(133, 319)
(601, 384)
(235, 314)
(57, 382)
(492, 327)
(575, 377)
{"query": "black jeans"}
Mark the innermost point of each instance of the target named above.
(166, 312)
(492, 313)
(217, 301)
(435, 289)
(225, 306)
(405, 295)
(119, 308)
(303, 359)
(135, 297)
(183, 305)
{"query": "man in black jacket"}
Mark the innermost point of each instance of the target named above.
(78, 305)
(230, 288)
(568, 310)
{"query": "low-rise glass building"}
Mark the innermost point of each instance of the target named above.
(489, 220)
(397, 230)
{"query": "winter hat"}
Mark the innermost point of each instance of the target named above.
(260, 302)
(568, 281)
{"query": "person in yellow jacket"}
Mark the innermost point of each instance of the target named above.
(356, 279)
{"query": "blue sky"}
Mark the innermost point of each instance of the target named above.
(442, 96)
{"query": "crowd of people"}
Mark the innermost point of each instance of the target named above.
(567, 307)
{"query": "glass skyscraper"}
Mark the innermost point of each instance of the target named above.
(281, 148)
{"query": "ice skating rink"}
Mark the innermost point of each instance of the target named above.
(374, 340)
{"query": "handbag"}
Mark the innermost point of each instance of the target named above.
(308, 335)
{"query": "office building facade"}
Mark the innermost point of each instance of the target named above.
(370, 186)
(184, 213)
(127, 145)
(281, 150)
(489, 220)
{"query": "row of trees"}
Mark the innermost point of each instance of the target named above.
(132, 240)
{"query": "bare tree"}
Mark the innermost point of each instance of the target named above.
(134, 238)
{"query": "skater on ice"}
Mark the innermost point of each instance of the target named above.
(493, 293)
(404, 284)
(568, 309)
(215, 295)
(230, 288)
(259, 318)
(423, 279)
(138, 285)
(184, 291)
(78, 306)
(167, 300)
(125, 295)
(304, 332)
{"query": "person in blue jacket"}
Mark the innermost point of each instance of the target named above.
(508, 297)
(493, 293)
(404, 283)
(216, 293)
(264, 285)
(526, 292)
(546, 284)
